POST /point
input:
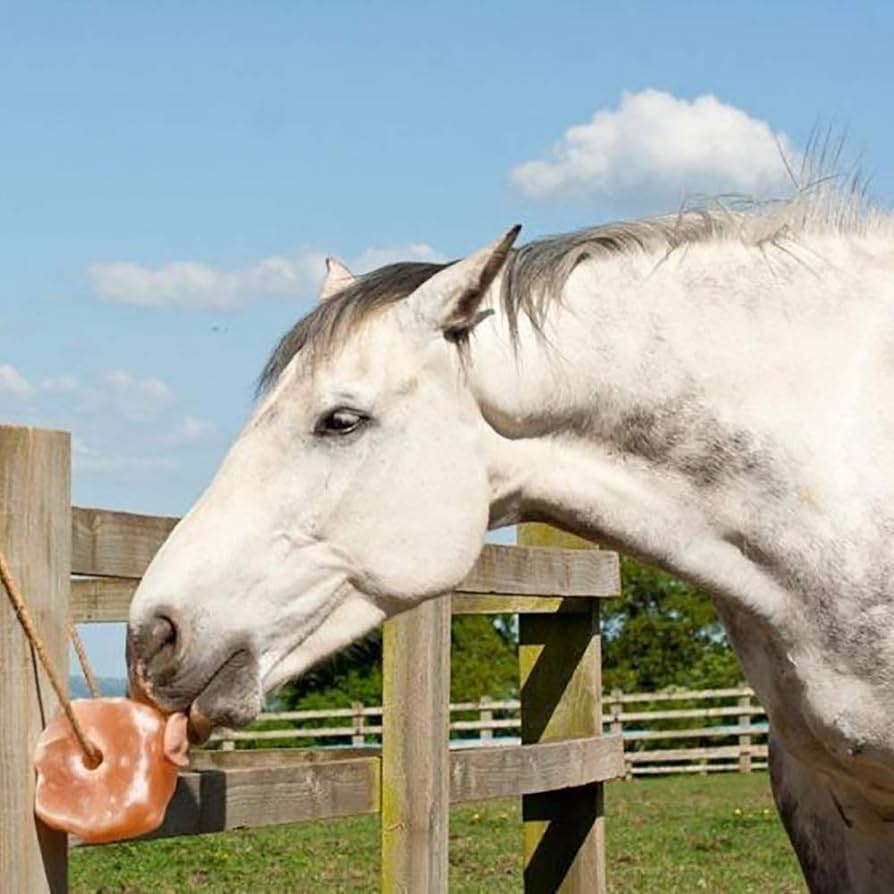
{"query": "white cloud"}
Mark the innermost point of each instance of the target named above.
(197, 286)
(117, 394)
(190, 284)
(13, 382)
(372, 258)
(60, 385)
(79, 448)
(656, 147)
(130, 398)
(115, 398)
(191, 430)
(103, 463)
(119, 421)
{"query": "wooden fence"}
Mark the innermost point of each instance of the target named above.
(683, 731)
(704, 731)
(89, 561)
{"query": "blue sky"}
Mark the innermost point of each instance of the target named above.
(172, 174)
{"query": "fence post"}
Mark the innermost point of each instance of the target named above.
(616, 725)
(358, 738)
(415, 750)
(560, 664)
(35, 535)
(485, 715)
(745, 739)
(615, 709)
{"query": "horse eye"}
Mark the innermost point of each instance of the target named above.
(339, 422)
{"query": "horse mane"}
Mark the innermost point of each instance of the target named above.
(534, 274)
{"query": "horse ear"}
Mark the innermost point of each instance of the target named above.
(451, 299)
(337, 278)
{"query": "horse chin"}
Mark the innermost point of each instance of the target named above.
(349, 615)
(232, 697)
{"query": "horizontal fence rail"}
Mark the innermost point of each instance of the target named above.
(111, 550)
(219, 792)
(707, 735)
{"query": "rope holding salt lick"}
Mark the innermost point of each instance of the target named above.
(81, 652)
(92, 754)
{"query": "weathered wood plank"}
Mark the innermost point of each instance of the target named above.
(514, 769)
(702, 732)
(745, 738)
(213, 800)
(415, 751)
(692, 768)
(255, 759)
(102, 599)
(115, 544)
(121, 544)
(658, 755)
(510, 770)
(35, 535)
(560, 669)
(322, 713)
(681, 695)
(490, 604)
(683, 713)
(502, 704)
(524, 571)
(503, 723)
(247, 735)
(229, 790)
(95, 599)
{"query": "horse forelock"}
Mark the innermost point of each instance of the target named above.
(329, 324)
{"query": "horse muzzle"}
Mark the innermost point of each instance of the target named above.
(218, 687)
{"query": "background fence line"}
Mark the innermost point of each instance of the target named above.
(681, 739)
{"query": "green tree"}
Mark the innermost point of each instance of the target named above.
(663, 633)
(482, 662)
(484, 658)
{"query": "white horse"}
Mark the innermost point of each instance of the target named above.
(711, 391)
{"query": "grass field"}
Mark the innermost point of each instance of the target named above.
(715, 833)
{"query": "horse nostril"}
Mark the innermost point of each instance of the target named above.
(152, 648)
(161, 638)
(164, 631)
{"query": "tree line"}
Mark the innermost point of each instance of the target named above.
(660, 633)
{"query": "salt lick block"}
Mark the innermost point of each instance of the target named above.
(128, 793)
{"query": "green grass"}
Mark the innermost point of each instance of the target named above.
(717, 834)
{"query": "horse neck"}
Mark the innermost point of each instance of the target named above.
(679, 406)
(713, 329)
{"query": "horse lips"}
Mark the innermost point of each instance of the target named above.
(127, 794)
